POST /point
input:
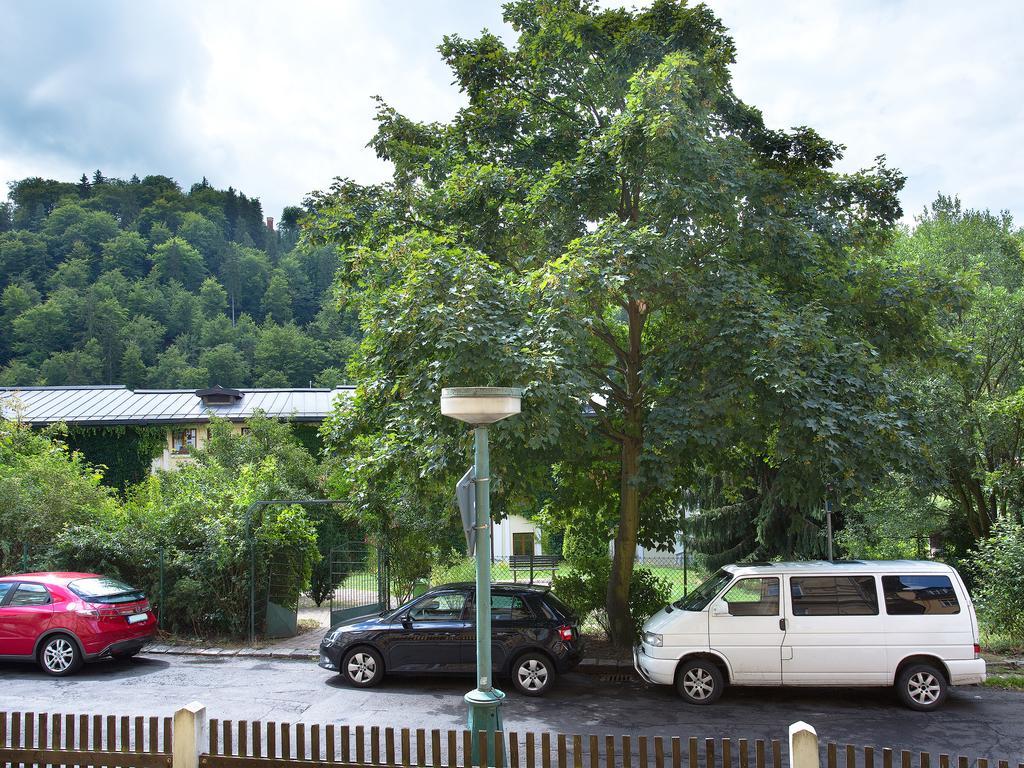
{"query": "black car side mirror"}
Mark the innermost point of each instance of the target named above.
(406, 621)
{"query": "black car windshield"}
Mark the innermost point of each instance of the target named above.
(104, 590)
(700, 597)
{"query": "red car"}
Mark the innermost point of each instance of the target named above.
(61, 620)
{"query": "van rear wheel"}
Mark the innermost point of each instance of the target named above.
(699, 682)
(922, 687)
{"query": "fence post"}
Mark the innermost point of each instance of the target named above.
(24, 557)
(189, 737)
(803, 746)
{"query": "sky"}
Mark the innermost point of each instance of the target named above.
(276, 98)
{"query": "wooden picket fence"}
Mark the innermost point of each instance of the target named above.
(190, 741)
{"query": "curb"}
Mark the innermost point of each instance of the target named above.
(588, 666)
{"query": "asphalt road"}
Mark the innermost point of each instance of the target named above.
(976, 722)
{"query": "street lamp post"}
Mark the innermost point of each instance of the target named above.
(481, 406)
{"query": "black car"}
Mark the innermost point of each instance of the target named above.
(535, 638)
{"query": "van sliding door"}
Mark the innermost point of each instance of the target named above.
(834, 632)
(745, 627)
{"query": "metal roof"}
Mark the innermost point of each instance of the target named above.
(115, 404)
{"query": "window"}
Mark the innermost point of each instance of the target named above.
(914, 595)
(104, 590)
(444, 607)
(504, 608)
(4, 588)
(183, 441)
(700, 597)
(29, 594)
(754, 597)
(834, 596)
(245, 431)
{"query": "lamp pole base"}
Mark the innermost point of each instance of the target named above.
(484, 717)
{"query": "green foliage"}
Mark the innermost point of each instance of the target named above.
(125, 453)
(998, 566)
(177, 275)
(584, 588)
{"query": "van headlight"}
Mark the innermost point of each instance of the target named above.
(652, 639)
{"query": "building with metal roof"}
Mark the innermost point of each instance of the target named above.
(183, 411)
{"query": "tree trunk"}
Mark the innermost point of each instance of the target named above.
(619, 615)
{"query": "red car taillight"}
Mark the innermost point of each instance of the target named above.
(565, 633)
(96, 611)
(977, 651)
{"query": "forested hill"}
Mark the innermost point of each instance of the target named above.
(141, 283)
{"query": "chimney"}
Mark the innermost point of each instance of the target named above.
(270, 223)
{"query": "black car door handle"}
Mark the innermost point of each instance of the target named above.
(782, 624)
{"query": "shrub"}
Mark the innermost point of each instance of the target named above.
(999, 572)
(584, 588)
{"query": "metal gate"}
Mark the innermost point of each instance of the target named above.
(359, 573)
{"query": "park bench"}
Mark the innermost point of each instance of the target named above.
(532, 564)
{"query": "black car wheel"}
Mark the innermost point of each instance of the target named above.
(59, 656)
(922, 687)
(362, 667)
(700, 682)
(533, 674)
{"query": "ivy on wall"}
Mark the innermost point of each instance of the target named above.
(126, 451)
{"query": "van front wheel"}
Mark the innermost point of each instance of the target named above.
(699, 682)
(922, 687)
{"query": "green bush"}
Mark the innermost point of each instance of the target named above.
(584, 588)
(999, 572)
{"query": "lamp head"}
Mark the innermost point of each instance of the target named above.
(480, 405)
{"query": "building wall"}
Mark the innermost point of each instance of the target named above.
(170, 460)
(504, 529)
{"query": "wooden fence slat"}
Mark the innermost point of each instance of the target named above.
(545, 750)
(43, 729)
(271, 739)
(300, 742)
(111, 733)
(57, 732)
(421, 746)
(83, 733)
(467, 749)
(869, 757)
(709, 753)
(346, 752)
(776, 753)
(905, 759)
(484, 745)
(3, 730)
(329, 745)
(453, 750)
(886, 757)
(1004, 764)
(943, 761)
(642, 752)
(406, 748)
(360, 746)
(212, 746)
(744, 758)
(29, 734)
(139, 744)
(677, 749)
(925, 760)
(595, 752)
(561, 751)
(375, 744)
(851, 756)
(286, 740)
(243, 738)
(499, 749)
(982, 762)
(435, 748)
(314, 739)
(726, 753)
(627, 752)
(126, 734)
(389, 746)
(257, 739)
(659, 752)
(168, 739)
(609, 751)
(96, 737)
(694, 760)
(832, 755)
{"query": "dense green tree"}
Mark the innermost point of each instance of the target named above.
(277, 301)
(78, 366)
(287, 350)
(40, 330)
(178, 261)
(225, 365)
(213, 299)
(606, 223)
(127, 252)
(23, 255)
(18, 374)
(133, 372)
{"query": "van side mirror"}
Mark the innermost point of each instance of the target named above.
(720, 608)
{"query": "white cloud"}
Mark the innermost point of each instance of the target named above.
(274, 98)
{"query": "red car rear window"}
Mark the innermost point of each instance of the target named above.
(104, 590)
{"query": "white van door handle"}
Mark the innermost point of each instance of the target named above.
(782, 624)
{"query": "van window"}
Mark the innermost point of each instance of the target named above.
(914, 595)
(834, 595)
(754, 597)
(700, 597)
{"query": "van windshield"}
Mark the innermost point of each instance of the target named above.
(700, 597)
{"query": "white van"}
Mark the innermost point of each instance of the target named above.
(905, 623)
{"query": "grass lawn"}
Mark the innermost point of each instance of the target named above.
(1013, 681)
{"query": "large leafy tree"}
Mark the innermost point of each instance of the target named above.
(608, 224)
